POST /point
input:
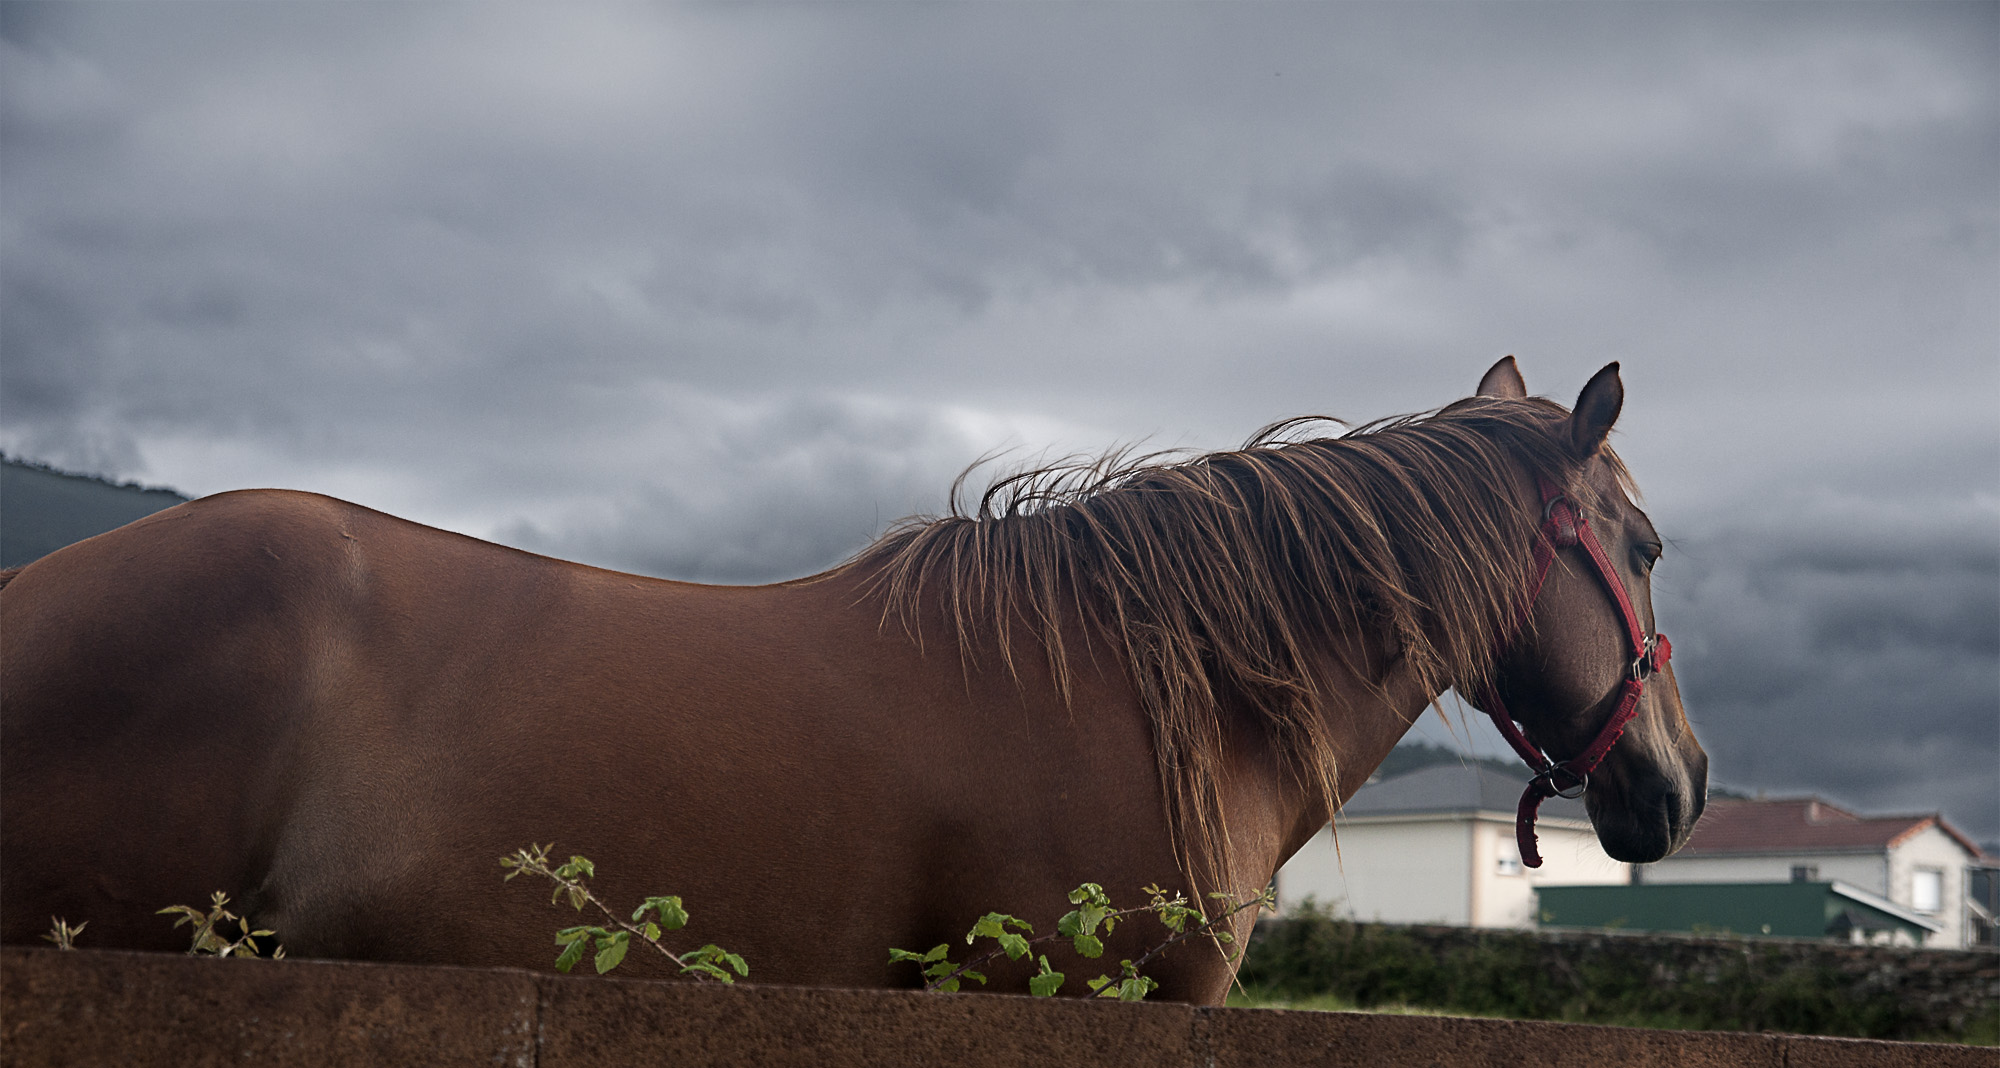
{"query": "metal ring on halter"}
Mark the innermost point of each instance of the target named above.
(1573, 791)
(1549, 506)
(1644, 664)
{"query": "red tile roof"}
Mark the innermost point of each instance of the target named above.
(1804, 825)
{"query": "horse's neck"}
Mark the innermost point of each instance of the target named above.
(1365, 722)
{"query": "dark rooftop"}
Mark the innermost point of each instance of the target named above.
(1803, 825)
(1453, 788)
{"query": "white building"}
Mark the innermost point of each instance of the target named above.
(1437, 846)
(1918, 862)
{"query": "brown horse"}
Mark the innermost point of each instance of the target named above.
(1150, 672)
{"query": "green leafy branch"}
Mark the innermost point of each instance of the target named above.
(1080, 927)
(208, 936)
(649, 920)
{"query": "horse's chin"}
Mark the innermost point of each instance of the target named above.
(1653, 828)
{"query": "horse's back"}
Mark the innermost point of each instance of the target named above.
(260, 692)
(343, 719)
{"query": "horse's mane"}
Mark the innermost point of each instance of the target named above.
(1221, 576)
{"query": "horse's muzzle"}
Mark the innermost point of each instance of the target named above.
(1650, 819)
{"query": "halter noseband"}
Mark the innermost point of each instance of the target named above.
(1563, 525)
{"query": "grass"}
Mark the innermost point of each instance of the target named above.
(1269, 998)
(1981, 1032)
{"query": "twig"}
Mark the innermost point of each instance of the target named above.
(708, 962)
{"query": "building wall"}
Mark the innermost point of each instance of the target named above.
(1460, 870)
(1570, 856)
(1891, 874)
(1501, 897)
(1400, 871)
(1865, 870)
(1934, 849)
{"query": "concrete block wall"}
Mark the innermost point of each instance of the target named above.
(137, 1010)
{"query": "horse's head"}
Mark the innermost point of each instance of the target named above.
(1565, 676)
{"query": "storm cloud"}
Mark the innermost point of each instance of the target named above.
(716, 292)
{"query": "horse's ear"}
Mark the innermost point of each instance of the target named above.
(1503, 381)
(1596, 409)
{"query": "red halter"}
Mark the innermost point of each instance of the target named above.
(1563, 525)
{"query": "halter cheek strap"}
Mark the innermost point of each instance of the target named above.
(1563, 525)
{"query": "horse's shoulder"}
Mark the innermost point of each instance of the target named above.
(250, 504)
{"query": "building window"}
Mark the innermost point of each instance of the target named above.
(1805, 873)
(1982, 905)
(1509, 862)
(1927, 890)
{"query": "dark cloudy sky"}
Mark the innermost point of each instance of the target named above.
(714, 292)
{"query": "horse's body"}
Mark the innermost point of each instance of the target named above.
(344, 719)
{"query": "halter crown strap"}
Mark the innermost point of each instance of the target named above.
(1563, 526)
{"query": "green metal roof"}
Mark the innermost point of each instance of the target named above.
(1786, 910)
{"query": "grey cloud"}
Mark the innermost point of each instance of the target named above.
(776, 492)
(1836, 620)
(716, 291)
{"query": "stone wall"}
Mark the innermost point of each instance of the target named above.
(144, 1010)
(1911, 991)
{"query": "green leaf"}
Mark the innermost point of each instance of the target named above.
(898, 955)
(1047, 983)
(1136, 988)
(577, 897)
(1085, 919)
(1089, 946)
(949, 986)
(609, 956)
(994, 925)
(570, 934)
(1014, 944)
(652, 931)
(571, 955)
(673, 916)
(938, 951)
(970, 974)
(1098, 985)
(713, 956)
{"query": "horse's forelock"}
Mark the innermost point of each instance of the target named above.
(1221, 577)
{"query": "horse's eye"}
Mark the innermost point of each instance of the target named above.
(1645, 556)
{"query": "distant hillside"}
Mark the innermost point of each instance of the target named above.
(1415, 756)
(42, 509)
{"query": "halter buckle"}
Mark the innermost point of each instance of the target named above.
(1579, 781)
(1549, 505)
(1647, 662)
(1562, 523)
